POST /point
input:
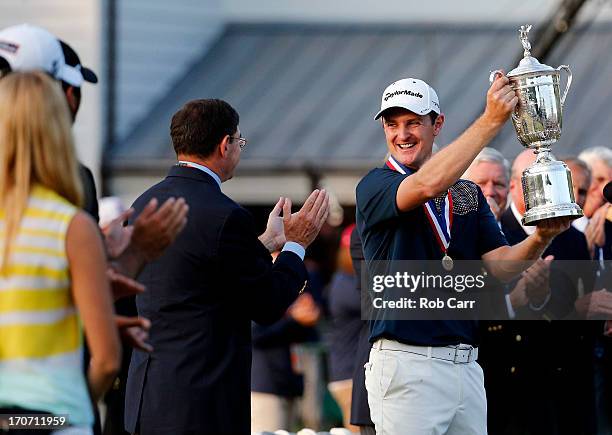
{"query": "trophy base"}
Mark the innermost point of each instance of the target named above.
(536, 214)
(547, 190)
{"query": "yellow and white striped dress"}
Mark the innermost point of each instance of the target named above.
(41, 348)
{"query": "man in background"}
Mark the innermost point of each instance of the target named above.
(598, 231)
(491, 171)
(529, 387)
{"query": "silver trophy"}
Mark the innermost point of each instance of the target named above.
(537, 119)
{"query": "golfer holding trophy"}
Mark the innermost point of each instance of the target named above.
(537, 119)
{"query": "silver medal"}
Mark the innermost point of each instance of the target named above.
(447, 263)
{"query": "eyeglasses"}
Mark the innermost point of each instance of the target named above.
(242, 142)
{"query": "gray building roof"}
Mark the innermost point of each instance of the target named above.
(307, 94)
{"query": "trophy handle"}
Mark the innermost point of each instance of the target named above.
(497, 71)
(569, 82)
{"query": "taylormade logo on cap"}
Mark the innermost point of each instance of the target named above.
(8, 47)
(411, 94)
(404, 92)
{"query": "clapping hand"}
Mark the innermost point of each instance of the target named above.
(304, 226)
(121, 285)
(134, 332)
(595, 305)
(595, 231)
(305, 310)
(518, 295)
(533, 287)
(117, 237)
(155, 228)
(274, 236)
(537, 277)
(151, 233)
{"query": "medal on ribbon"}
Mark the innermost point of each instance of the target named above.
(441, 223)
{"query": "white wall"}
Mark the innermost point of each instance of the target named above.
(77, 22)
(158, 40)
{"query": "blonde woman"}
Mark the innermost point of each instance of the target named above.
(52, 263)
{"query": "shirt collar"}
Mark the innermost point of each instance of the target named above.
(202, 168)
(389, 165)
(528, 230)
(581, 223)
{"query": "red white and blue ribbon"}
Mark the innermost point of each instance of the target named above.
(442, 222)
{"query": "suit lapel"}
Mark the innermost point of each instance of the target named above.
(512, 229)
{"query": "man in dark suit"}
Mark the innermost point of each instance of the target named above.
(206, 288)
(569, 284)
(539, 363)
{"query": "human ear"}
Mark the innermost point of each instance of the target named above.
(223, 148)
(72, 100)
(438, 124)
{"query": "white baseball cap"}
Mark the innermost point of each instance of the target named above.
(410, 94)
(30, 48)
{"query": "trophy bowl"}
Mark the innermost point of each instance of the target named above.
(538, 119)
(538, 116)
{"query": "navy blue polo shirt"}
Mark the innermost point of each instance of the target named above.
(389, 234)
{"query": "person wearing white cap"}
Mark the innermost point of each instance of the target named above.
(31, 48)
(422, 376)
(26, 47)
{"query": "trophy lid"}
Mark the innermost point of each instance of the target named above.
(528, 64)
